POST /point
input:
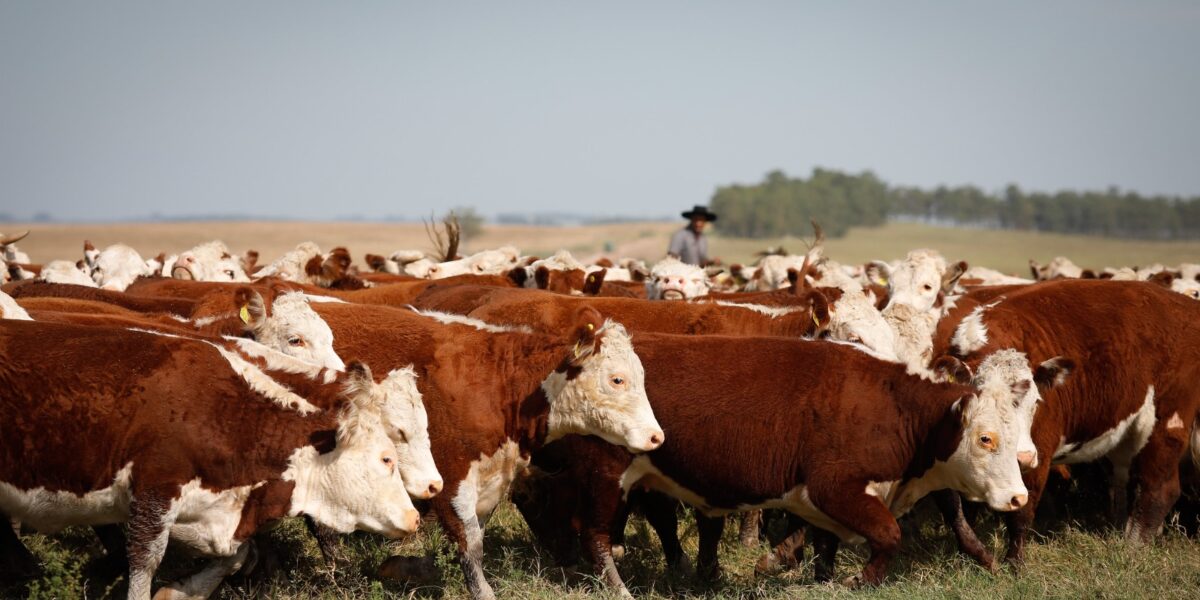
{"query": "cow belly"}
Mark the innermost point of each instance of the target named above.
(207, 520)
(50, 512)
(641, 472)
(1131, 433)
(488, 480)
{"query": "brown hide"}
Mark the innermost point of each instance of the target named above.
(145, 304)
(552, 312)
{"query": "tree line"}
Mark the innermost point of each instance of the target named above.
(782, 205)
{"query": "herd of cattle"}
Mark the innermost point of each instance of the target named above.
(194, 399)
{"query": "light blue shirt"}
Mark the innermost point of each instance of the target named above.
(689, 247)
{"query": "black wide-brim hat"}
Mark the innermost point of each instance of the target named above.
(699, 210)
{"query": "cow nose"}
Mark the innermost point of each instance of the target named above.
(1018, 501)
(435, 487)
(412, 519)
(656, 439)
(1027, 460)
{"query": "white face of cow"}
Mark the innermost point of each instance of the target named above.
(358, 484)
(295, 329)
(855, 319)
(419, 268)
(211, 261)
(63, 271)
(117, 266)
(606, 398)
(9, 309)
(773, 271)
(918, 280)
(407, 425)
(487, 262)
(984, 465)
(1187, 287)
(672, 279)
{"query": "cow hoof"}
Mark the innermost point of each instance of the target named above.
(618, 552)
(418, 571)
(711, 574)
(852, 582)
(768, 564)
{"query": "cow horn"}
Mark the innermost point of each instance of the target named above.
(5, 240)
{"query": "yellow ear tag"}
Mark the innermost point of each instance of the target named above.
(578, 349)
(816, 321)
(952, 379)
(591, 327)
(591, 279)
(245, 314)
(881, 281)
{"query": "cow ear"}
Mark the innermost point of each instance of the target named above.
(818, 306)
(1053, 372)
(793, 278)
(313, 267)
(362, 410)
(1162, 278)
(518, 276)
(1106, 275)
(878, 272)
(952, 369)
(587, 328)
(593, 282)
(542, 277)
(952, 276)
(604, 262)
(1033, 268)
(375, 261)
(639, 273)
(90, 254)
(1087, 274)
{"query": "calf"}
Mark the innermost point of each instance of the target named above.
(796, 442)
(187, 441)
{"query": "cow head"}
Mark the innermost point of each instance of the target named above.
(407, 425)
(117, 266)
(772, 272)
(922, 279)
(600, 388)
(290, 326)
(1060, 267)
(210, 261)
(9, 309)
(357, 484)
(672, 279)
(487, 262)
(63, 271)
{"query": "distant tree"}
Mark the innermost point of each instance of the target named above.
(469, 220)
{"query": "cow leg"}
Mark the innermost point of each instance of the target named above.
(788, 553)
(328, 541)
(151, 514)
(865, 515)
(748, 527)
(710, 528)
(16, 561)
(1046, 437)
(596, 540)
(825, 547)
(201, 585)
(1157, 480)
(950, 504)
(660, 511)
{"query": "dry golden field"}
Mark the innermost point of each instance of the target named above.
(1008, 251)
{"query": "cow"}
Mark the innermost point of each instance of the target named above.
(1060, 267)
(1133, 400)
(9, 309)
(797, 442)
(487, 262)
(495, 394)
(672, 279)
(246, 451)
(181, 307)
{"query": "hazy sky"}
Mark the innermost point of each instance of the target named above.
(319, 109)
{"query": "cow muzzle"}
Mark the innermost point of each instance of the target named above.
(672, 294)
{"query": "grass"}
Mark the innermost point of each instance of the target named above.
(1070, 559)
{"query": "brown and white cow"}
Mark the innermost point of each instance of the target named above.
(494, 394)
(673, 279)
(208, 480)
(796, 442)
(1133, 401)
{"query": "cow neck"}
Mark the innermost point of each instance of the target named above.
(533, 358)
(934, 431)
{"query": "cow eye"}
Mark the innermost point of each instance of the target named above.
(987, 442)
(295, 341)
(928, 287)
(618, 381)
(229, 273)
